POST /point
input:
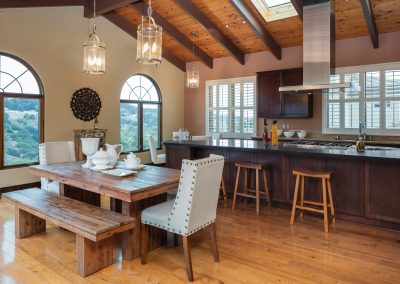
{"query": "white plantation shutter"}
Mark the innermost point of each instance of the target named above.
(374, 99)
(231, 107)
(392, 105)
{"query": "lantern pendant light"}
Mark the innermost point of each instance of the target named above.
(94, 51)
(149, 40)
(192, 76)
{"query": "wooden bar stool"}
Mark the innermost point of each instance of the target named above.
(257, 193)
(326, 182)
(223, 189)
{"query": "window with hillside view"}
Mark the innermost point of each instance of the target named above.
(21, 107)
(140, 113)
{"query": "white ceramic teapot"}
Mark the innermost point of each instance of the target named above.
(113, 153)
(131, 161)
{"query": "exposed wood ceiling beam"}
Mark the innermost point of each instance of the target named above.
(39, 3)
(131, 29)
(369, 18)
(141, 7)
(298, 6)
(213, 30)
(105, 6)
(257, 26)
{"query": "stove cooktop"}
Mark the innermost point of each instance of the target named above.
(311, 144)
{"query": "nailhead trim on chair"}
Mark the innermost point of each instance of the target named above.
(168, 227)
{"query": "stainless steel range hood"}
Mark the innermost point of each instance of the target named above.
(318, 47)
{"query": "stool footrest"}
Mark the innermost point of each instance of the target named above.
(246, 195)
(310, 209)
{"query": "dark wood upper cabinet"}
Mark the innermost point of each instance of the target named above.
(273, 104)
(269, 99)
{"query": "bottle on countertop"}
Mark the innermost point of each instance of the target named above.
(266, 132)
(360, 144)
(274, 134)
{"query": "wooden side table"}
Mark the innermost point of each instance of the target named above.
(88, 133)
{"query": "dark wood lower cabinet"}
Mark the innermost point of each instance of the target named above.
(364, 190)
(382, 190)
(347, 185)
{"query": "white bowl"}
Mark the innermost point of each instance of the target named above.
(302, 134)
(280, 131)
(288, 134)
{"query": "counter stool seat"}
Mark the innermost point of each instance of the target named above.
(257, 194)
(326, 190)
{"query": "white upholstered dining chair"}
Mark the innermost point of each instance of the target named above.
(52, 153)
(194, 207)
(155, 158)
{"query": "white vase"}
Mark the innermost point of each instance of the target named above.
(89, 148)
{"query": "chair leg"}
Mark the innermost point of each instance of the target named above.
(331, 201)
(257, 193)
(223, 189)
(302, 196)
(236, 188)
(188, 258)
(144, 243)
(265, 173)
(214, 246)
(325, 205)
(296, 191)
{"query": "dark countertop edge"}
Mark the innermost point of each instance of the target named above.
(338, 154)
(368, 142)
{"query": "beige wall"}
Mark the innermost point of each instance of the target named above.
(350, 52)
(50, 39)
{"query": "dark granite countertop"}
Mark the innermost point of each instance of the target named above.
(258, 146)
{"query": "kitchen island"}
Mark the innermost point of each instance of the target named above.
(366, 186)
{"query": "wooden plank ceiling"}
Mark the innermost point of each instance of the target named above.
(350, 23)
(222, 29)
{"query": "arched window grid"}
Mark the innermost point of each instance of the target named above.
(19, 81)
(144, 94)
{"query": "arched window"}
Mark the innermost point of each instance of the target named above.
(21, 112)
(140, 113)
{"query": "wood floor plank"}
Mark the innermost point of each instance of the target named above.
(264, 249)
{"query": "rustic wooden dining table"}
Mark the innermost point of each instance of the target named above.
(145, 188)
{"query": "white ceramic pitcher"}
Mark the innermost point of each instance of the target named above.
(113, 153)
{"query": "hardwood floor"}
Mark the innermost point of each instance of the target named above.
(264, 249)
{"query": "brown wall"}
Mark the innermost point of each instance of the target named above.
(349, 52)
(51, 39)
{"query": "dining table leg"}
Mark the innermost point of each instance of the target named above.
(131, 238)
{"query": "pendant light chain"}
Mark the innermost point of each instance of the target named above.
(94, 16)
(193, 35)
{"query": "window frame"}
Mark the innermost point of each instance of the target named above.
(230, 108)
(362, 70)
(140, 104)
(39, 97)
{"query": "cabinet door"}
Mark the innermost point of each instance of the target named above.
(295, 105)
(277, 175)
(269, 99)
(382, 191)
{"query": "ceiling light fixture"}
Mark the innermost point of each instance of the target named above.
(149, 40)
(193, 76)
(94, 51)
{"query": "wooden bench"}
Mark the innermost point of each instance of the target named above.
(93, 226)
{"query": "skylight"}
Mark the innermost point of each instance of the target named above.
(273, 10)
(274, 3)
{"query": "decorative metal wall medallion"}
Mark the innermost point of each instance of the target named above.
(85, 104)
